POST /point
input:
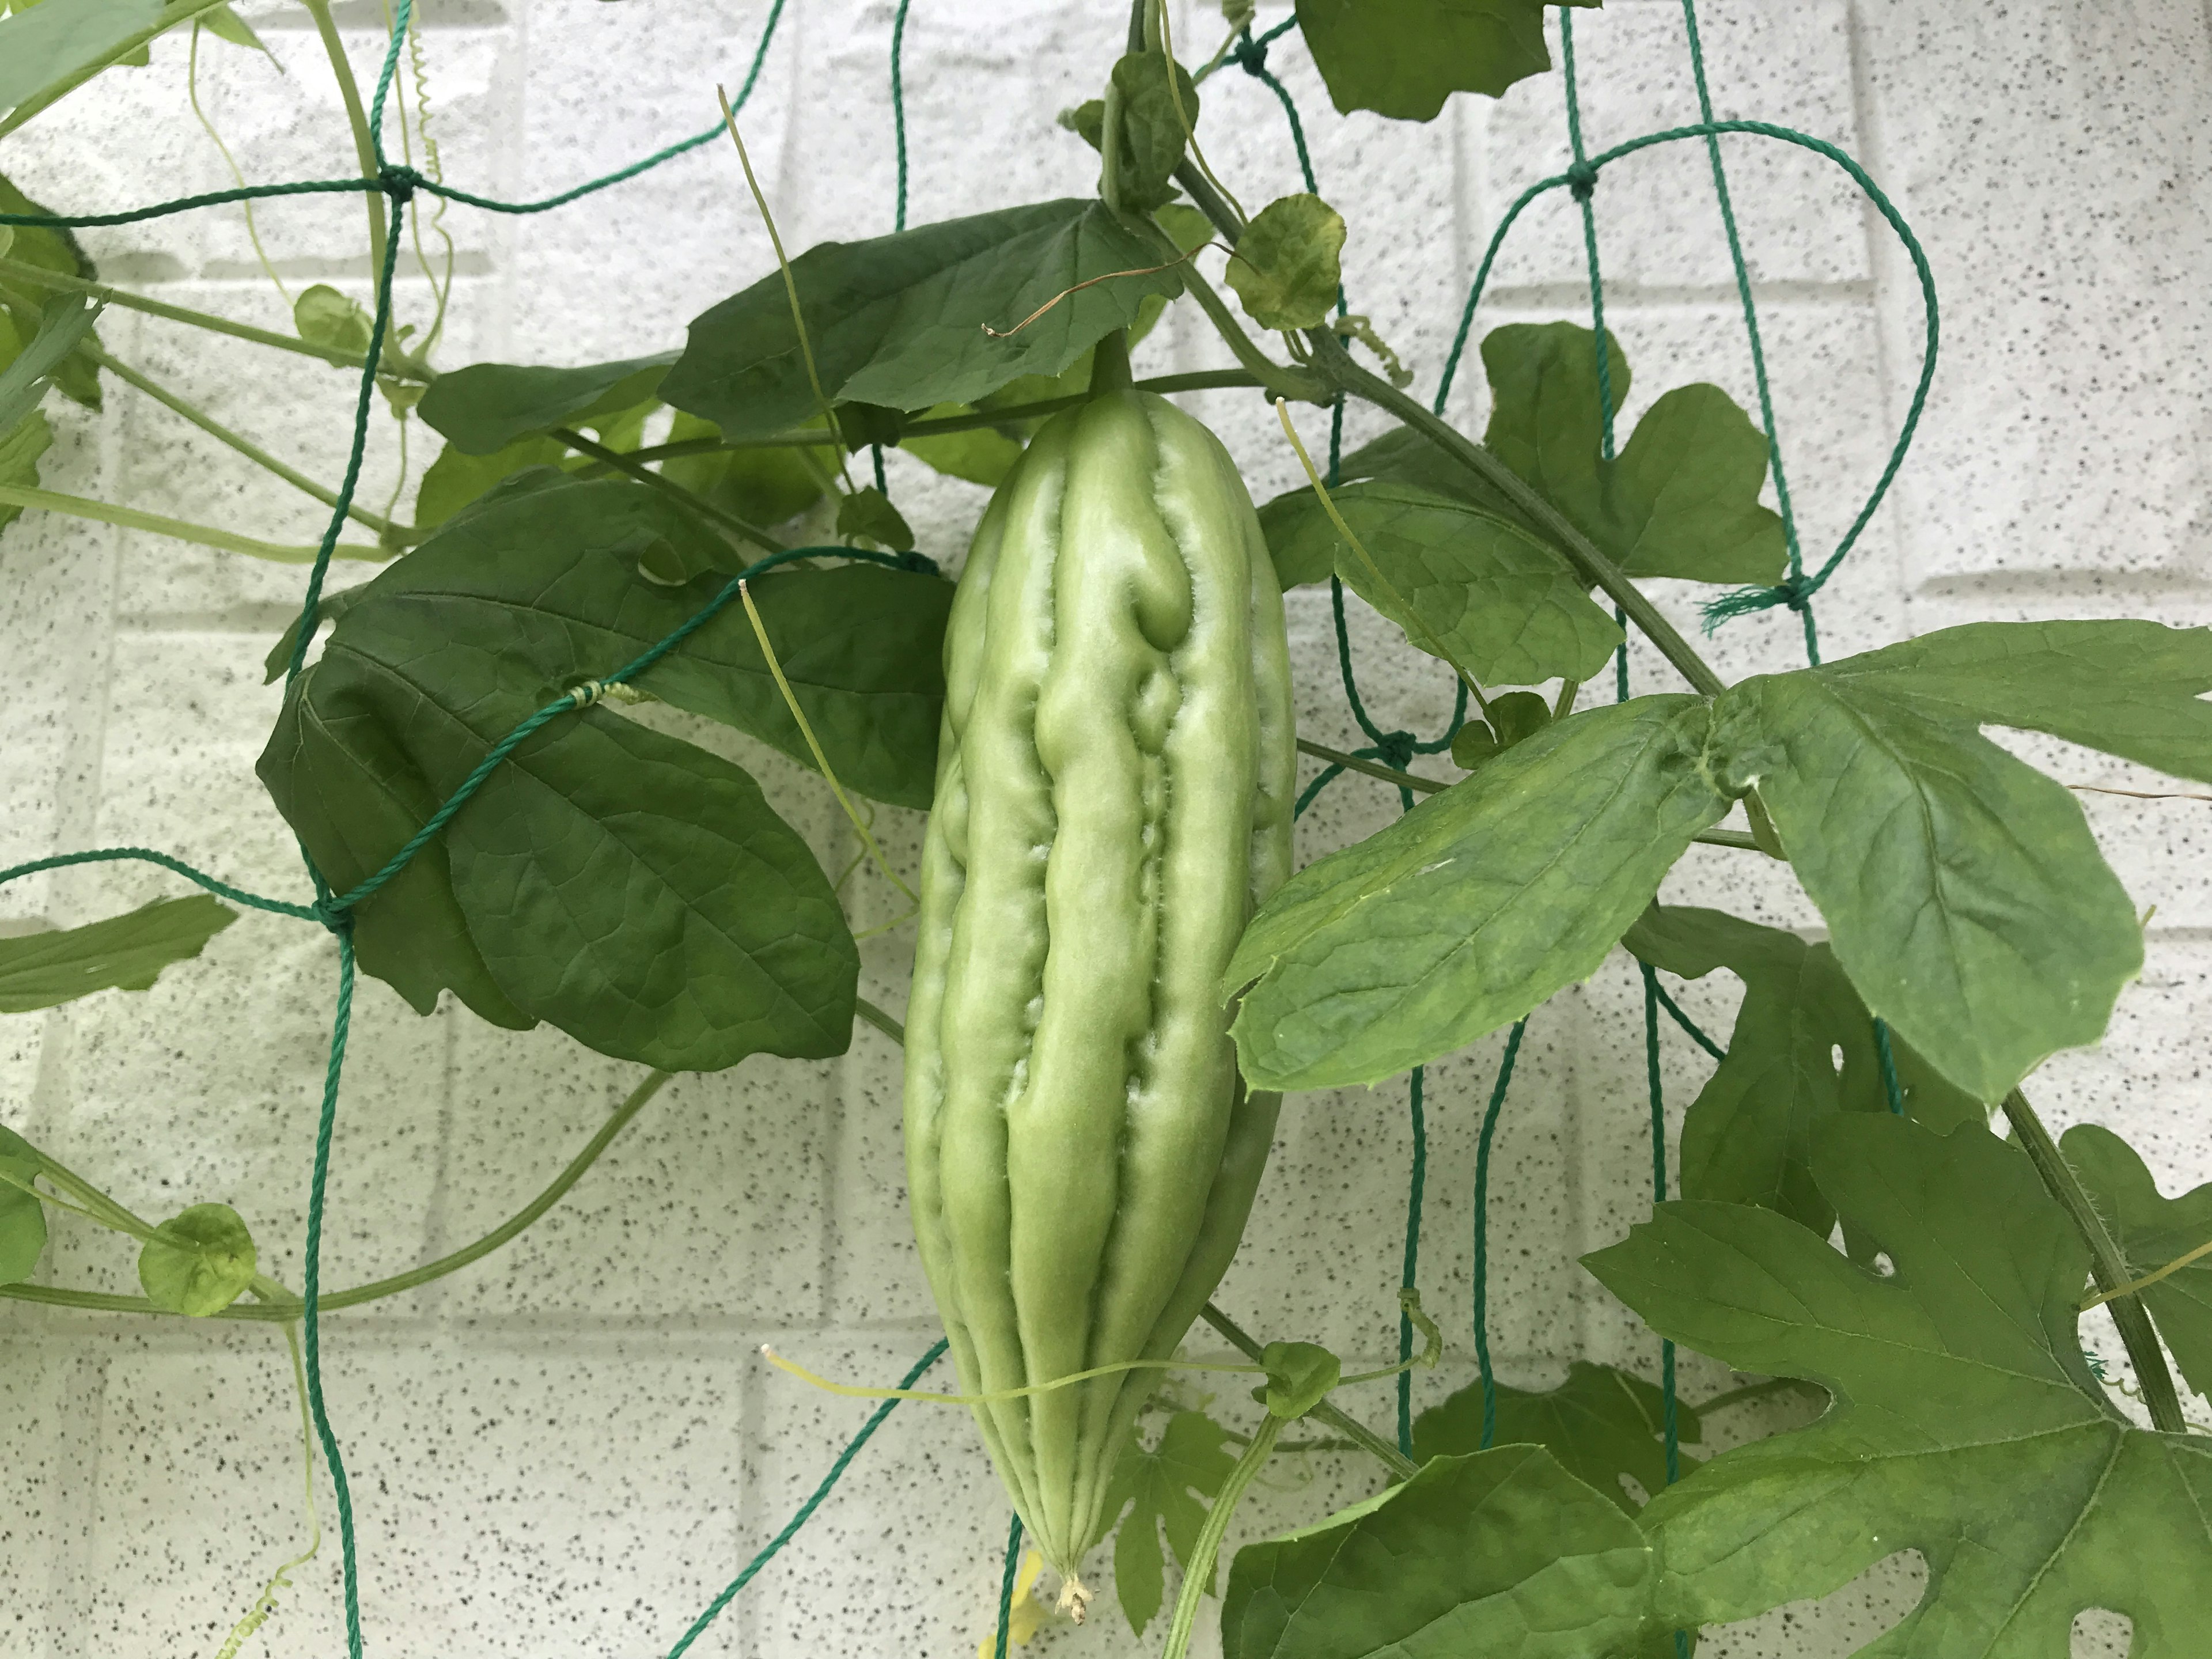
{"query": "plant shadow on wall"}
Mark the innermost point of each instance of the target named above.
(1117, 973)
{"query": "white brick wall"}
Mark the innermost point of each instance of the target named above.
(570, 1447)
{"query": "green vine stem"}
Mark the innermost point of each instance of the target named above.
(394, 535)
(882, 1021)
(391, 366)
(78, 506)
(1344, 1424)
(364, 143)
(2106, 1264)
(1198, 1574)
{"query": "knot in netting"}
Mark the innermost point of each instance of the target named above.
(398, 182)
(1582, 180)
(1249, 55)
(335, 915)
(1394, 748)
(1795, 592)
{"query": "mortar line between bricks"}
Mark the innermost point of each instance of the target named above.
(1784, 294)
(2071, 585)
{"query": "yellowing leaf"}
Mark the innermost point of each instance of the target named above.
(1030, 1614)
(1288, 262)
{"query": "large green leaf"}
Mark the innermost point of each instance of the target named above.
(2153, 1229)
(1748, 1136)
(485, 407)
(1600, 1424)
(1404, 57)
(1965, 1422)
(2132, 689)
(1500, 1552)
(49, 43)
(899, 320)
(1475, 906)
(1681, 498)
(77, 378)
(125, 952)
(1169, 1486)
(199, 1262)
(22, 1217)
(1504, 602)
(1963, 892)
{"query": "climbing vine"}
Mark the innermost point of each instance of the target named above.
(1869, 1214)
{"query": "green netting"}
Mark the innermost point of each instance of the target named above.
(1396, 748)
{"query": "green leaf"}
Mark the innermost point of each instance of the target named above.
(1963, 892)
(457, 478)
(2132, 689)
(868, 512)
(19, 456)
(78, 377)
(1505, 603)
(199, 1262)
(334, 604)
(1299, 1376)
(1286, 267)
(1474, 744)
(65, 320)
(225, 24)
(1152, 135)
(1475, 906)
(22, 1217)
(1747, 1138)
(1500, 1552)
(50, 43)
(1404, 57)
(983, 455)
(1600, 1424)
(1169, 1488)
(485, 407)
(325, 317)
(124, 953)
(1682, 497)
(2151, 1231)
(762, 486)
(1965, 1422)
(899, 320)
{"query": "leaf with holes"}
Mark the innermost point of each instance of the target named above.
(2153, 1229)
(1504, 602)
(1965, 1422)
(199, 1262)
(1681, 499)
(1503, 1552)
(1167, 1489)
(1476, 905)
(1600, 1424)
(1963, 892)
(1404, 57)
(485, 407)
(899, 320)
(1287, 264)
(126, 953)
(22, 1217)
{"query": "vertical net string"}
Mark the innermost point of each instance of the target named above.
(1006, 1587)
(1481, 1311)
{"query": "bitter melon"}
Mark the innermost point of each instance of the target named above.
(1113, 802)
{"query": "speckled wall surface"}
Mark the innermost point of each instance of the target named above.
(570, 1448)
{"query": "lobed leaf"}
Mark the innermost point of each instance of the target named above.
(1965, 1422)
(1404, 57)
(2153, 1229)
(126, 952)
(1499, 1552)
(1167, 1489)
(1476, 905)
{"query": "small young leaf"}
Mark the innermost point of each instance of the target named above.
(199, 1262)
(1473, 745)
(868, 512)
(1600, 1424)
(1504, 602)
(1404, 57)
(1152, 135)
(1168, 1487)
(125, 952)
(2151, 1231)
(325, 317)
(1299, 1376)
(1517, 716)
(1500, 1552)
(22, 1217)
(1287, 265)
(485, 407)
(1475, 906)
(1682, 497)
(898, 321)
(1964, 894)
(1965, 1422)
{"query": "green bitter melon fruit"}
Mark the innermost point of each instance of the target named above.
(1113, 802)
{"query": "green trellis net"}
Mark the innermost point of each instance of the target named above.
(399, 183)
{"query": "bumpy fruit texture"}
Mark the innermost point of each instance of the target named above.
(1113, 794)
